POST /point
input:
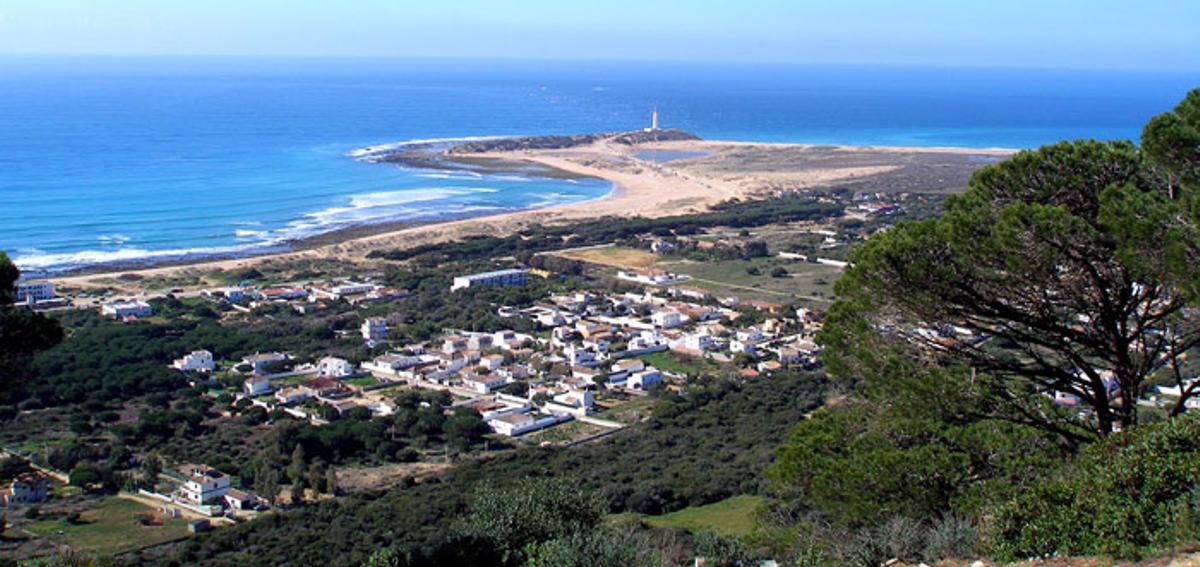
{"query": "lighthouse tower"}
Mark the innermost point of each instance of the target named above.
(653, 120)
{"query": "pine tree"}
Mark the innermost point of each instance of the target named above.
(267, 484)
(297, 494)
(296, 470)
(331, 482)
(316, 476)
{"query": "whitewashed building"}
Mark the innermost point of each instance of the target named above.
(333, 367)
(204, 485)
(498, 277)
(131, 308)
(374, 329)
(32, 291)
(256, 386)
(195, 361)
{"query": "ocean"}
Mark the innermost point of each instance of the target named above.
(123, 160)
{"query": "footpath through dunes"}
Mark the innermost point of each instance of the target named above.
(714, 171)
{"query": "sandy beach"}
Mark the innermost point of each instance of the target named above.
(719, 170)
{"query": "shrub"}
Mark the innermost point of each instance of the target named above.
(951, 537)
(1128, 496)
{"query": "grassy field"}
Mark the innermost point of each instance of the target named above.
(615, 256)
(813, 282)
(732, 516)
(678, 363)
(628, 411)
(362, 381)
(563, 433)
(110, 528)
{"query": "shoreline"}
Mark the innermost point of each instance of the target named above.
(638, 188)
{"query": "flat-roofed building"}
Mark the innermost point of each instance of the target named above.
(375, 329)
(32, 291)
(131, 308)
(195, 361)
(498, 277)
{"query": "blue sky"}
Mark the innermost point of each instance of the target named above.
(1138, 34)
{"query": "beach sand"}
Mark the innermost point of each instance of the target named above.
(642, 187)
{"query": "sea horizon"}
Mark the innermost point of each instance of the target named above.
(135, 159)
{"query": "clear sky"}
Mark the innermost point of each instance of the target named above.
(1139, 34)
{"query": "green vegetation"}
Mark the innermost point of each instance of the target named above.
(1070, 233)
(697, 450)
(674, 362)
(752, 279)
(23, 333)
(544, 239)
(1071, 268)
(732, 517)
(1129, 496)
(1077, 263)
(113, 527)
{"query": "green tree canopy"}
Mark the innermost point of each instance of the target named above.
(1171, 142)
(22, 332)
(1063, 269)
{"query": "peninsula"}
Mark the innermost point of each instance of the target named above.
(654, 173)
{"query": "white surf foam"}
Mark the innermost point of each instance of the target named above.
(66, 261)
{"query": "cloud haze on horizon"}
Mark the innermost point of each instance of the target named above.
(1152, 34)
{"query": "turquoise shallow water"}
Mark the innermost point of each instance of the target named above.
(118, 159)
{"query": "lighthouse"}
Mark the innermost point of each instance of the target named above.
(653, 120)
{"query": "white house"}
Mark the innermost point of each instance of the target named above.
(391, 363)
(333, 367)
(549, 318)
(491, 362)
(667, 318)
(256, 386)
(644, 380)
(573, 401)
(196, 361)
(480, 342)
(579, 356)
(258, 362)
(344, 289)
(749, 334)
(281, 293)
(31, 291)
(203, 485)
(498, 277)
(375, 329)
(239, 500)
(690, 293)
(652, 277)
(513, 424)
(645, 342)
(622, 369)
(288, 396)
(790, 355)
(230, 294)
(484, 384)
(695, 341)
(131, 308)
(27, 488)
(743, 346)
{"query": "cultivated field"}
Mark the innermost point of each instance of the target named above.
(732, 516)
(111, 528)
(615, 256)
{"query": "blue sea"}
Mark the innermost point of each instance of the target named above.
(115, 159)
